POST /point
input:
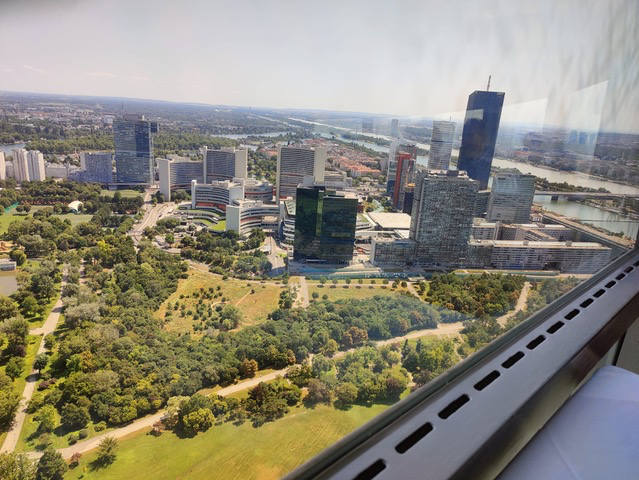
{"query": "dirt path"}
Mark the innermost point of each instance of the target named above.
(519, 306)
(49, 326)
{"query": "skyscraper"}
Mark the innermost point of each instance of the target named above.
(441, 145)
(294, 162)
(481, 125)
(28, 165)
(132, 135)
(403, 176)
(178, 172)
(397, 147)
(3, 167)
(442, 216)
(325, 223)
(395, 128)
(511, 197)
(96, 167)
(225, 163)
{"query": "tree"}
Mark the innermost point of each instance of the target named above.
(16, 329)
(74, 417)
(16, 466)
(41, 361)
(9, 401)
(14, 367)
(18, 256)
(169, 238)
(248, 369)
(48, 418)
(107, 451)
(86, 312)
(318, 392)
(346, 394)
(51, 465)
(8, 308)
(198, 421)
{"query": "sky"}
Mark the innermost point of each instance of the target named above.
(569, 63)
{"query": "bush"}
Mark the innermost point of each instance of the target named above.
(84, 433)
(98, 427)
(73, 439)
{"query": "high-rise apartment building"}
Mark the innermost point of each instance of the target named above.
(132, 135)
(441, 145)
(481, 125)
(404, 173)
(397, 147)
(20, 169)
(294, 162)
(28, 165)
(442, 216)
(511, 197)
(3, 167)
(225, 163)
(325, 224)
(394, 128)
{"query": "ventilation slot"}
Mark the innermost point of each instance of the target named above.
(572, 314)
(629, 269)
(536, 342)
(454, 406)
(599, 293)
(487, 380)
(636, 264)
(512, 360)
(372, 471)
(611, 284)
(586, 303)
(621, 276)
(413, 438)
(555, 327)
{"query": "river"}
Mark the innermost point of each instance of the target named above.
(610, 221)
(8, 149)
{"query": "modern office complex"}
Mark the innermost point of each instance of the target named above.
(287, 216)
(325, 224)
(178, 173)
(258, 190)
(398, 149)
(294, 162)
(441, 145)
(542, 232)
(216, 195)
(480, 135)
(95, 167)
(511, 197)
(225, 163)
(28, 165)
(394, 128)
(404, 172)
(132, 135)
(244, 215)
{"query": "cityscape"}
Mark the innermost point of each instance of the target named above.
(225, 249)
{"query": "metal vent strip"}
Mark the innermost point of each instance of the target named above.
(442, 435)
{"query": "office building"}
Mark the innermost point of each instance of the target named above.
(178, 173)
(481, 203)
(479, 136)
(287, 214)
(258, 190)
(96, 167)
(404, 173)
(216, 195)
(325, 224)
(245, 215)
(442, 216)
(3, 167)
(409, 196)
(511, 197)
(225, 163)
(397, 150)
(441, 145)
(394, 128)
(132, 135)
(57, 171)
(294, 162)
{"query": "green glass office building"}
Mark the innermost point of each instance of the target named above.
(325, 223)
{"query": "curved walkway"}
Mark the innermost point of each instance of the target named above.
(519, 306)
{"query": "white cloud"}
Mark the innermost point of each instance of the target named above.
(34, 69)
(102, 74)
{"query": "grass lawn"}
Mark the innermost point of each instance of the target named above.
(124, 193)
(340, 293)
(219, 226)
(75, 218)
(228, 451)
(255, 306)
(7, 218)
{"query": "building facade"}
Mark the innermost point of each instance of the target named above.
(479, 136)
(28, 165)
(441, 145)
(325, 225)
(258, 190)
(96, 167)
(132, 135)
(404, 172)
(397, 147)
(442, 216)
(511, 197)
(294, 162)
(215, 195)
(245, 215)
(225, 163)
(178, 172)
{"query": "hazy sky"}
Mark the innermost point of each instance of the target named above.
(414, 58)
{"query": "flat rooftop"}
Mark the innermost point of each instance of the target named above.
(536, 244)
(390, 221)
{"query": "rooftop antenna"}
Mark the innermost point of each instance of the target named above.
(488, 86)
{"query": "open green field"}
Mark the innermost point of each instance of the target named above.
(228, 451)
(7, 218)
(255, 306)
(75, 218)
(341, 293)
(124, 193)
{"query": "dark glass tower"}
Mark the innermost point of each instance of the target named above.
(133, 140)
(324, 225)
(480, 135)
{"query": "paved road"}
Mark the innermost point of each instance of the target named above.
(48, 327)
(519, 306)
(304, 296)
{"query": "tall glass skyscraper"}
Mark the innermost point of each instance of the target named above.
(441, 145)
(325, 223)
(132, 135)
(480, 135)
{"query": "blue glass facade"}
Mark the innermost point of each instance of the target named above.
(481, 125)
(133, 149)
